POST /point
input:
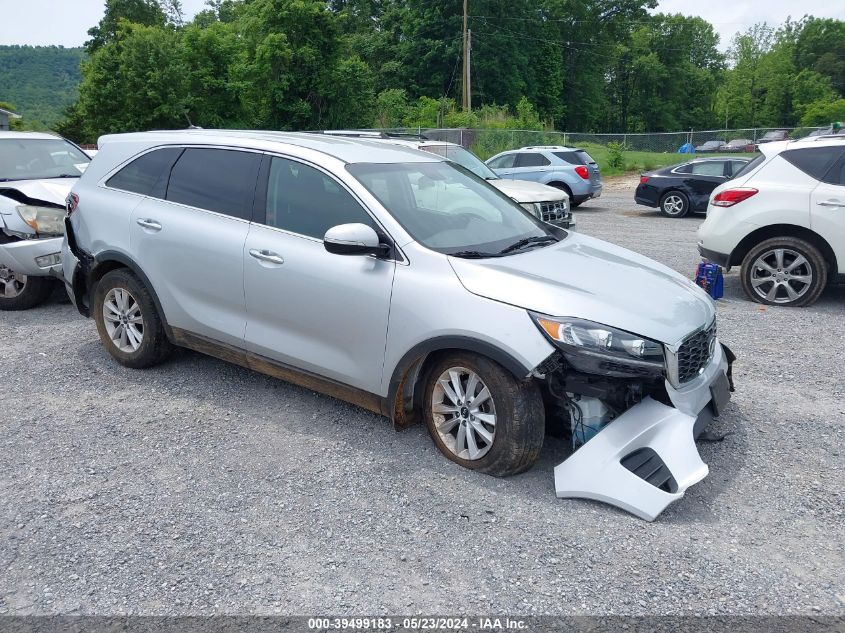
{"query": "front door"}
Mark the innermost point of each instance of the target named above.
(307, 308)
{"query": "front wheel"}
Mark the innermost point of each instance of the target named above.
(674, 204)
(22, 292)
(481, 417)
(784, 271)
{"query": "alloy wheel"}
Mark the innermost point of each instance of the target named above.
(12, 284)
(673, 204)
(781, 275)
(123, 320)
(464, 413)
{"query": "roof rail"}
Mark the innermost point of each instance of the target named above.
(374, 134)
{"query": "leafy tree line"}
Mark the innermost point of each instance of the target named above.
(579, 65)
(39, 81)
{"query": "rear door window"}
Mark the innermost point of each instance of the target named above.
(215, 179)
(814, 161)
(531, 159)
(710, 168)
(147, 174)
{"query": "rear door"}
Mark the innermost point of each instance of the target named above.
(827, 207)
(703, 179)
(309, 308)
(190, 244)
(530, 166)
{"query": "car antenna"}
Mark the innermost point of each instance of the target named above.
(191, 126)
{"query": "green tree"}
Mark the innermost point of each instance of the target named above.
(135, 82)
(820, 46)
(146, 12)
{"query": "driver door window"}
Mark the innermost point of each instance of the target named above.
(304, 200)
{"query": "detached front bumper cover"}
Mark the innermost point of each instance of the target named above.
(646, 458)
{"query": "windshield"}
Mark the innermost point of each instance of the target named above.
(449, 209)
(464, 158)
(34, 159)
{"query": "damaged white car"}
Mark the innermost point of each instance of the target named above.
(342, 265)
(36, 173)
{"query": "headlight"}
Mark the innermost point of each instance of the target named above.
(44, 220)
(600, 349)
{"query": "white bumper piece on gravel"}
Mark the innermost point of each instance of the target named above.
(646, 458)
(595, 471)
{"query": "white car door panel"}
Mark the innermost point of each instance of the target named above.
(827, 211)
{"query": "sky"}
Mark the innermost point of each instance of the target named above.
(66, 22)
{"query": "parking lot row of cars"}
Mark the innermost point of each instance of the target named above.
(780, 217)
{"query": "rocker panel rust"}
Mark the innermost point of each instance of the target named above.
(365, 400)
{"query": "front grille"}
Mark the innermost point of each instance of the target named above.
(695, 352)
(554, 212)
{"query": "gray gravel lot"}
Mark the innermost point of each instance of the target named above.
(199, 487)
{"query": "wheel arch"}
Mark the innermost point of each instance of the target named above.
(404, 396)
(783, 230)
(108, 261)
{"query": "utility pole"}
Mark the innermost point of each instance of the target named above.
(467, 65)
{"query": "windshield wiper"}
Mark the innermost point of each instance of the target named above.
(474, 254)
(525, 242)
(59, 176)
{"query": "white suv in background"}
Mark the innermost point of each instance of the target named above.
(782, 218)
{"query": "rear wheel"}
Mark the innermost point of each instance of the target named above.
(128, 322)
(481, 417)
(572, 202)
(784, 271)
(674, 204)
(22, 292)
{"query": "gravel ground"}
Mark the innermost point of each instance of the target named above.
(199, 487)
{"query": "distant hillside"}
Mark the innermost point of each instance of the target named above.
(40, 81)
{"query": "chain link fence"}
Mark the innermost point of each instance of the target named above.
(487, 142)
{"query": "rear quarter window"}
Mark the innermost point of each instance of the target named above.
(813, 161)
(573, 158)
(147, 174)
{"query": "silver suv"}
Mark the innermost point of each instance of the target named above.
(324, 261)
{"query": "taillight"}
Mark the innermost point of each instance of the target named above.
(643, 180)
(583, 172)
(71, 203)
(730, 197)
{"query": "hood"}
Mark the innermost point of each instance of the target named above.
(590, 279)
(525, 191)
(50, 190)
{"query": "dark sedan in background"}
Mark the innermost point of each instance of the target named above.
(680, 189)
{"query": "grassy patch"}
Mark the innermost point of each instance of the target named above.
(643, 161)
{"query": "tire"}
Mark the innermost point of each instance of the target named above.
(573, 204)
(130, 306)
(22, 292)
(512, 444)
(797, 282)
(674, 204)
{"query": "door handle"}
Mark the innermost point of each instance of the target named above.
(831, 203)
(149, 224)
(266, 256)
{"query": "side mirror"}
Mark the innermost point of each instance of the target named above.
(354, 239)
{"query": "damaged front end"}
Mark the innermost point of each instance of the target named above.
(31, 232)
(633, 409)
